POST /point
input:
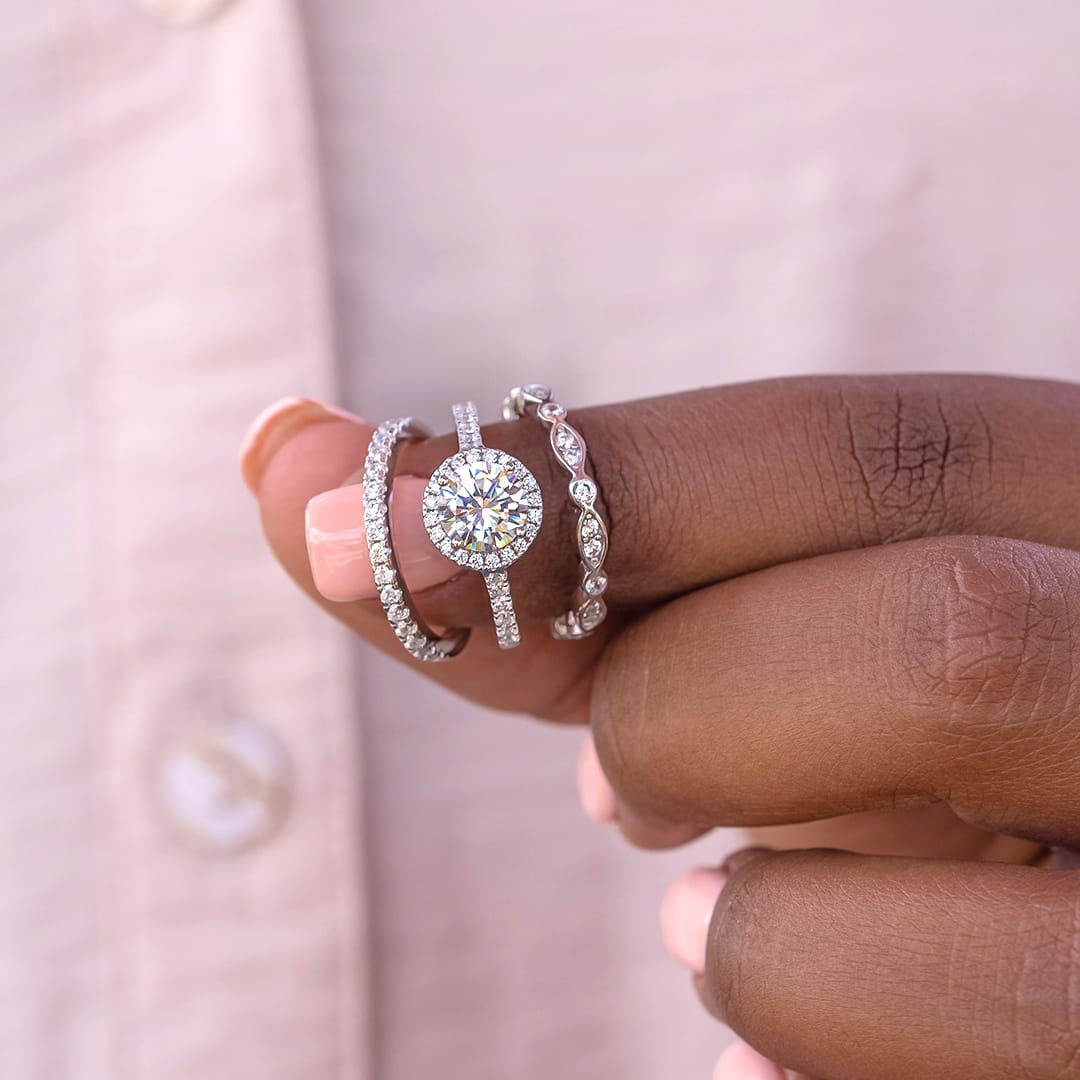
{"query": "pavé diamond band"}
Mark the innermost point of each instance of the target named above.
(482, 508)
(589, 609)
(419, 640)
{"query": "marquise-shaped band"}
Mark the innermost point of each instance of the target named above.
(588, 609)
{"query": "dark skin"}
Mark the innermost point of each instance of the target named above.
(830, 597)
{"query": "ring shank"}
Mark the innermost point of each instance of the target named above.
(418, 639)
(467, 423)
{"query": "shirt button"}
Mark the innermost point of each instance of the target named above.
(183, 12)
(224, 784)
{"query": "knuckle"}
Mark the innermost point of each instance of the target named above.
(909, 459)
(986, 639)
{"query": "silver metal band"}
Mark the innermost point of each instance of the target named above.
(588, 610)
(502, 608)
(414, 634)
(467, 422)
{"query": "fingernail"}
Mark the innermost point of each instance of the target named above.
(338, 550)
(274, 426)
(594, 791)
(686, 912)
(742, 1062)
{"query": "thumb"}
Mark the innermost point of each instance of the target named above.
(299, 458)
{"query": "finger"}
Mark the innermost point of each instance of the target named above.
(601, 805)
(932, 831)
(594, 791)
(869, 968)
(704, 486)
(893, 677)
(741, 1062)
(545, 677)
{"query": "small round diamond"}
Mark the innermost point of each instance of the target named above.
(583, 491)
(595, 583)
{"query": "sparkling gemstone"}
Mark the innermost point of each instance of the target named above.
(583, 491)
(592, 615)
(568, 446)
(481, 505)
(591, 534)
(595, 583)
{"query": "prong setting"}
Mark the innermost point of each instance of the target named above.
(482, 509)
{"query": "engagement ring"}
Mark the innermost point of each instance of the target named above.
(482, 508)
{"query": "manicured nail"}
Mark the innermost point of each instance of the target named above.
(337, 544)
(742, 1062)
(594, 791)
(686, 912)
(274, 426)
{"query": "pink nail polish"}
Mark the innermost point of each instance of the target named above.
(274, 426)
(686, 912)
(597, 797)
(337, 544)
(742, 1062)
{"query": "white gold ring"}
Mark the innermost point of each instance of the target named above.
(414, 634)
(483, 508)
(589, 609)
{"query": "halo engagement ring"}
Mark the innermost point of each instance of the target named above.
(483, 508)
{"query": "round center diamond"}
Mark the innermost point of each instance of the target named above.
(481, 506)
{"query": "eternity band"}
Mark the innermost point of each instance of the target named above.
(482, 508)
(588, 609)
(413, 633)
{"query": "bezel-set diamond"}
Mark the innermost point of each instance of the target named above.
(588, 610)
(483, 508)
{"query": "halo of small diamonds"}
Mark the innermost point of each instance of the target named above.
(482, 508)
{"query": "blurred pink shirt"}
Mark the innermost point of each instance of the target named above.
(233, 844)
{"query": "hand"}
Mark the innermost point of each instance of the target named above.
(830, 597)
